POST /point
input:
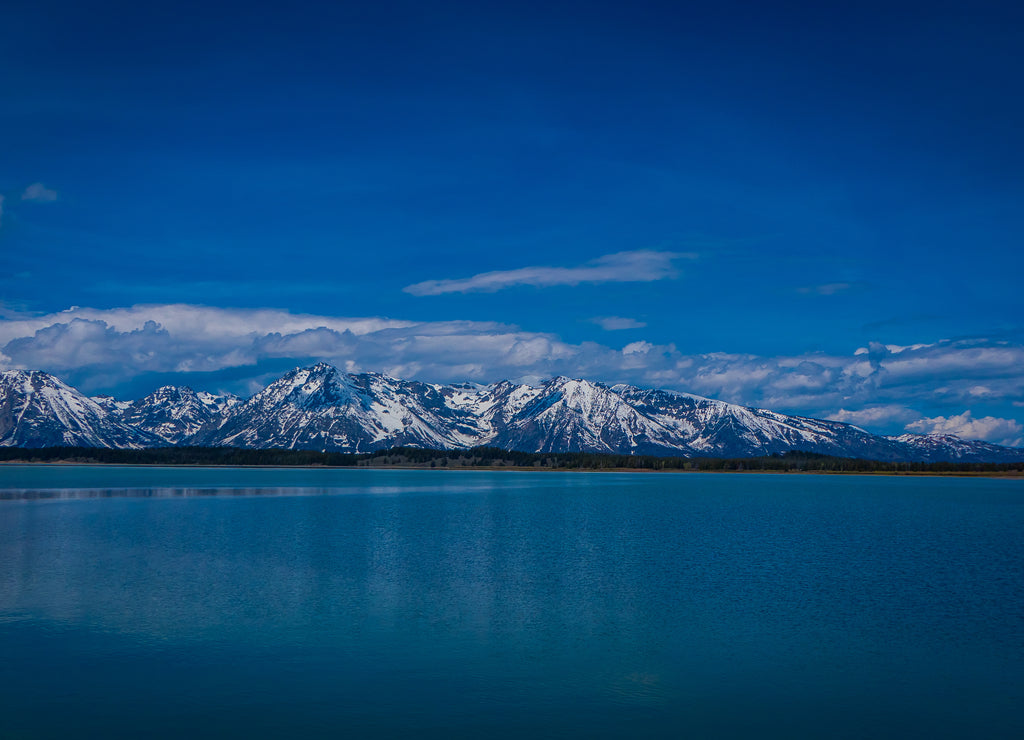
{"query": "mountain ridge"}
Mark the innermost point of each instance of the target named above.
(321, 408)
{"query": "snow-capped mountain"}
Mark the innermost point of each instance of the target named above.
(110, 404)
(950, 448)
(717, 429)
(38, 410)
(174, 414)
(321, 408)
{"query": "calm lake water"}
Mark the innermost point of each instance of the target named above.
(164, 602)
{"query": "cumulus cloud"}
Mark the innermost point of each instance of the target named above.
(192, 323)
(876, 386)
(989, 428)
(874, 415)
(39, 193)
(81, 343)
(622, 267)
(637, 348)
(617, 323)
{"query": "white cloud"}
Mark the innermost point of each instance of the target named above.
(617, 323)
(39, 193)
(119, 344)
(989, 428)
(637, 348)
(874, 415)
(202, 323)
(623, 267)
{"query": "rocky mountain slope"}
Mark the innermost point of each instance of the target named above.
(38, 410)
(321, 408)
(173, 414)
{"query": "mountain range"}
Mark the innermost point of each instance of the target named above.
(322, 408)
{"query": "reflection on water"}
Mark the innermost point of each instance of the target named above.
(401, 603)
(37, 494)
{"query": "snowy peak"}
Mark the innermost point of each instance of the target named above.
(307, 387)
(321, 408)
(38, 410)
(948, 447)
(568, 414)
(110, 404)
(176, 413)
(218, 404)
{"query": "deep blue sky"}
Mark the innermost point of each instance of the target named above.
(827, 178)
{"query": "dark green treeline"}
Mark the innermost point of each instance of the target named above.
(489, 457)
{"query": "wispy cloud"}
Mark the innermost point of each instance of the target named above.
(39, 193)
(622, 267)
(617, 323)
(34, 193)
(828, 288)
(989, 428)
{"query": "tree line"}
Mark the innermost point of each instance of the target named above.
(487, 457)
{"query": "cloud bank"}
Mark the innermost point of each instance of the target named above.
(923, 387)
(622, 267)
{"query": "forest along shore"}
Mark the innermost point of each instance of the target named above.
(493, 458)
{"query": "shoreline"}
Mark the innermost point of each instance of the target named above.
(1008, 474)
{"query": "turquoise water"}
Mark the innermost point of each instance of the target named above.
(353, 603)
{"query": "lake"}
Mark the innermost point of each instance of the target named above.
(169, 602)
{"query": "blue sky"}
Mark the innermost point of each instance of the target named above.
(810, 208)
